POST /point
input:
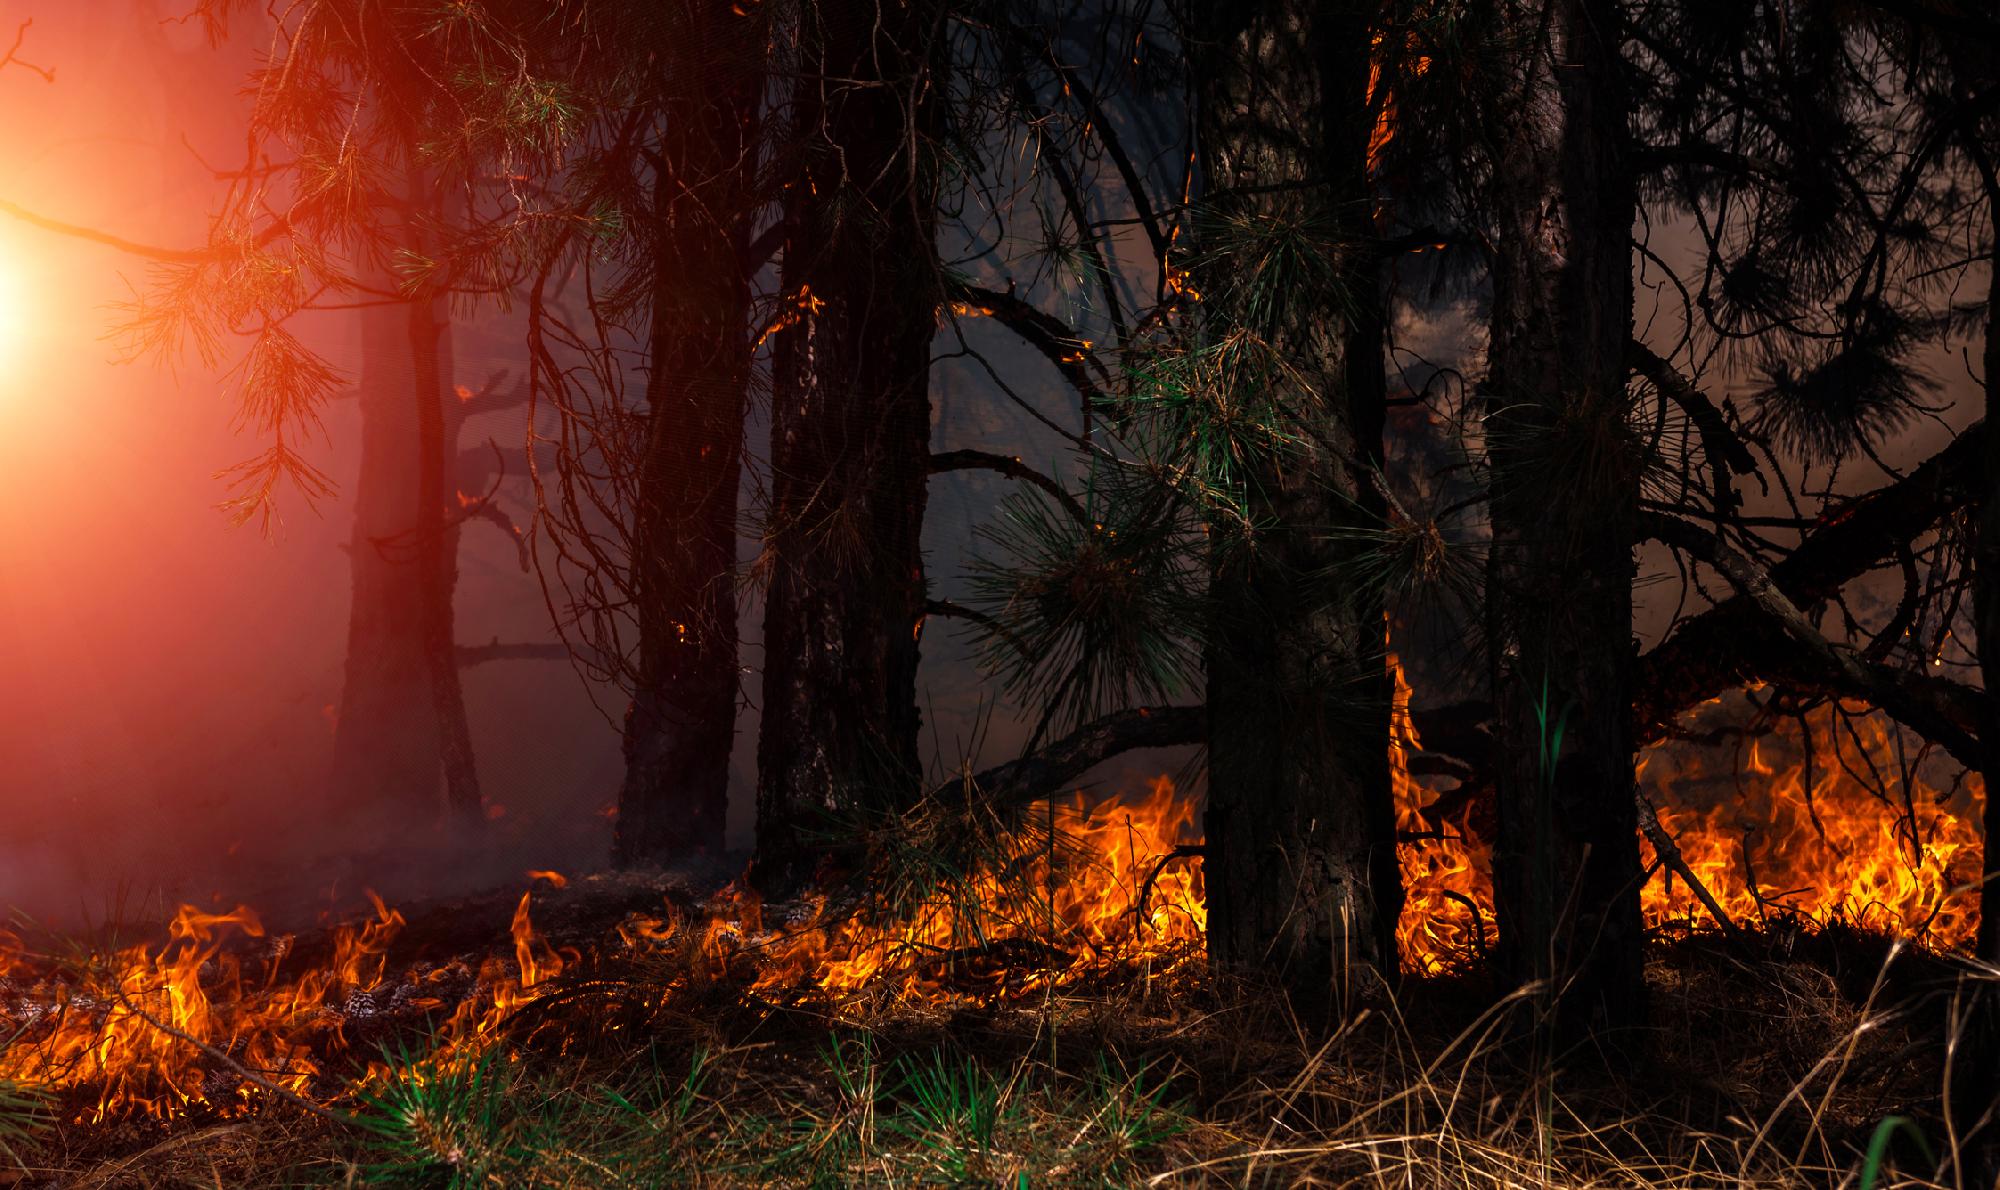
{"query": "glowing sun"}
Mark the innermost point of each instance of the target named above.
(13, 316)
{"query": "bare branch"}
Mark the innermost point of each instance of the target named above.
(1012, 467)
(1053, 767)
(1044, 332)
(13, 55)
(91, 234)
(1812, 658)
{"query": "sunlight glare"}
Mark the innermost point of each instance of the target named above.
(13, 311)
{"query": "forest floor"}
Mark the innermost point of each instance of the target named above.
(1775, 1063)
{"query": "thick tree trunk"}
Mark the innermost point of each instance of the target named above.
(1565, 489)
(1301, 861)
(850, 430)
(1978, 1092)
(401, 725)
(682, 722)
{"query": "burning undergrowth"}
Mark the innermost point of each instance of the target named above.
(1790, 819)
(221, 1014)
(1834, 824)
(1075, 909)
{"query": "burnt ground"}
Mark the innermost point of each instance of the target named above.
(1772, 1062)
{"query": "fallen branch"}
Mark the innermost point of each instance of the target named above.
(244, 1072)
(1184, 851)
(1707, 655)
(1669, 853)
(1478, 919)
(1814, 658)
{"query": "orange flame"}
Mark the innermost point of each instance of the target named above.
(1447, 883)
(1833, 823)
(1819, 827)
(1046, 915)
(1114, 892)
(1383, 99)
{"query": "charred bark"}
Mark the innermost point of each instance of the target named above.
(1565, 468)
(1301, 862)
(681, 725)
(850, 430)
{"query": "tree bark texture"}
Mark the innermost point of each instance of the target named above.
(1565, 469)
(678, 733)
(1301, 861)
(850, 429)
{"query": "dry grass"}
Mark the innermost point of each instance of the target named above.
(646, 1071)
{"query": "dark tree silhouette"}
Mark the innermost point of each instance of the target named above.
(850, 426)
(1300, 829)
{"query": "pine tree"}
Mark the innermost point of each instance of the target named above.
(1565, 466)
(850, 426)
(704, 158)
(1300, 841)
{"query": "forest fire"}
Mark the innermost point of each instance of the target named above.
(195, 1024)
(1103, 893)
(1844, 828)
(161, 1032)
(1834, 822)
(205, 1021)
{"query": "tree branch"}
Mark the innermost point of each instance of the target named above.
(1719, 649)
(1726, 452)
(958, 611)
(1053, 767)
(13, 55)
(495, 650)
(1012, 467)
(1041, 331)
(91, 234)
(1812, 658)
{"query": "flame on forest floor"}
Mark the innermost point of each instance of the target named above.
(1835, 823)
(137, 1032)
(1114, 895)
(1447, 884)
(141, 1027)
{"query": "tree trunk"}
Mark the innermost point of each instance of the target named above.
(1565, 469)
(682, 722)
(1979, 1089)
(850, 429)
(401, 724)
(435, 545)
(1301, 860)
